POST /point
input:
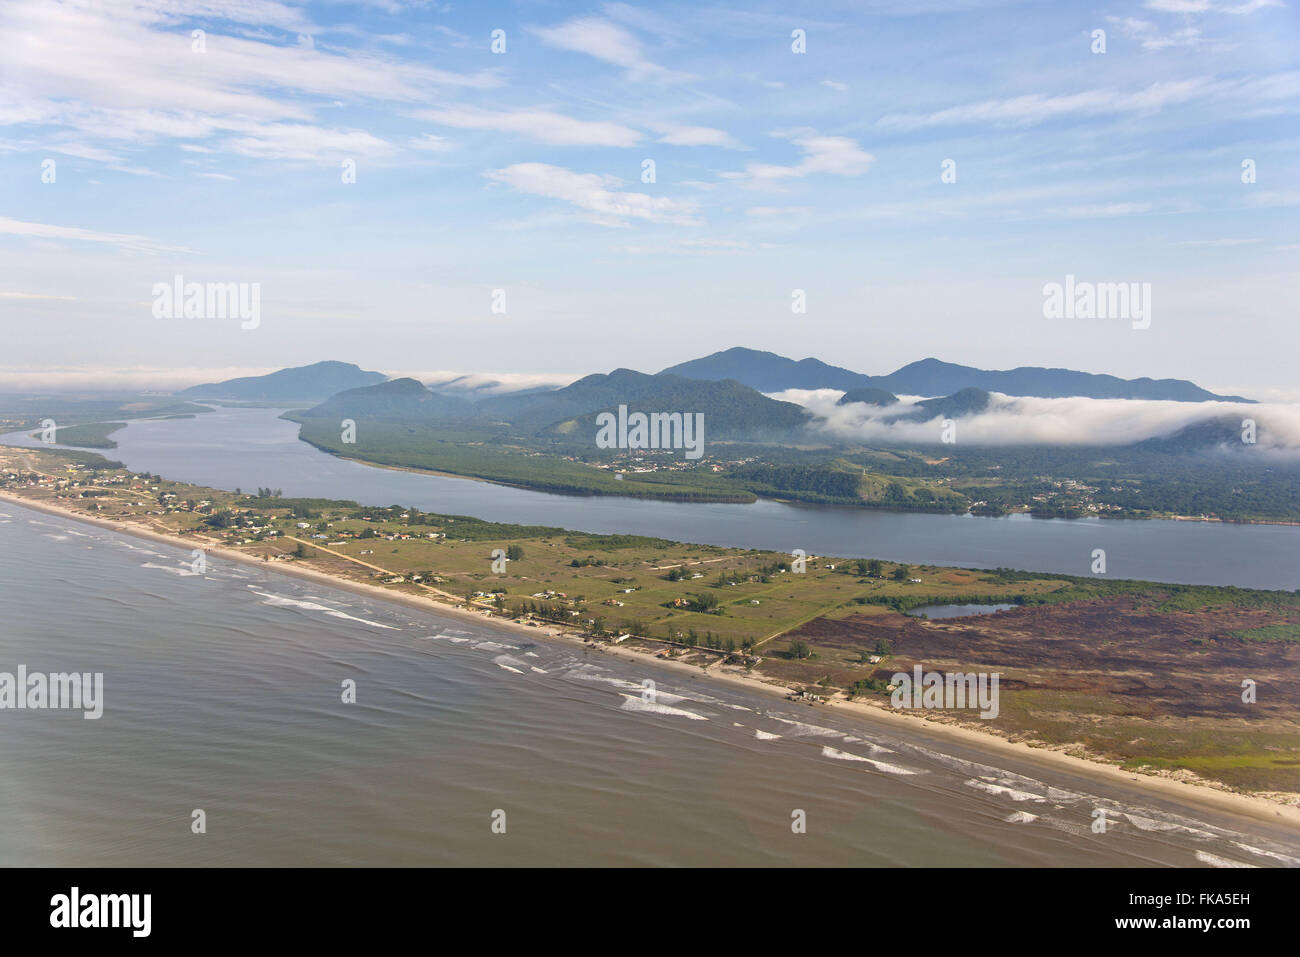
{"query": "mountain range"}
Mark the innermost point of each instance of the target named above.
(734, 411)
(731, 388)
(768, 372)
(763, 371)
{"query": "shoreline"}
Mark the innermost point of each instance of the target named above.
(1182, 791)
(416, 470)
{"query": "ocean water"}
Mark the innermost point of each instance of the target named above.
(222, 692)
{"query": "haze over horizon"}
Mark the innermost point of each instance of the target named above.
(151, 379)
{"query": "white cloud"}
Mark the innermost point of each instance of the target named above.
(542, 126)
(1021, 420)
(695, 136)
(296, 141)
(592, 194)
(490, 383)
(607, 42)
(838, 155)
(14, 227)
(1038, 107)
(429, 143)
(125, 73)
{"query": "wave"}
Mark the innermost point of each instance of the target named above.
(1205, 857)
(838, 755)
(283, 601)
(1001, 790)
(506, 663)
(637, 703)
(183, 572)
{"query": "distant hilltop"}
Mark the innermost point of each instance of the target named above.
(314, 382)
(768, 372)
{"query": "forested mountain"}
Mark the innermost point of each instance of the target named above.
(317, 381)
(769, 372)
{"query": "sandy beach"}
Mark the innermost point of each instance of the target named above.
(1185, 792)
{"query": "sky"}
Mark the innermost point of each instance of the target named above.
(422, 187)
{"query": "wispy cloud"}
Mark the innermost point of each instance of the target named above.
(675, 135)
(14, 227)
(542, 126)
(126, 75)
(837, 155)
(1038, 107)
(608, 42)
(594, 195)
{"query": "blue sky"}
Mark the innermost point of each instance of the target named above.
(522, 171)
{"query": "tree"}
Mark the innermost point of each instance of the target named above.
(901, 573)
(515, 553)
(799, 649)
(875, 568)
(702, 602)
